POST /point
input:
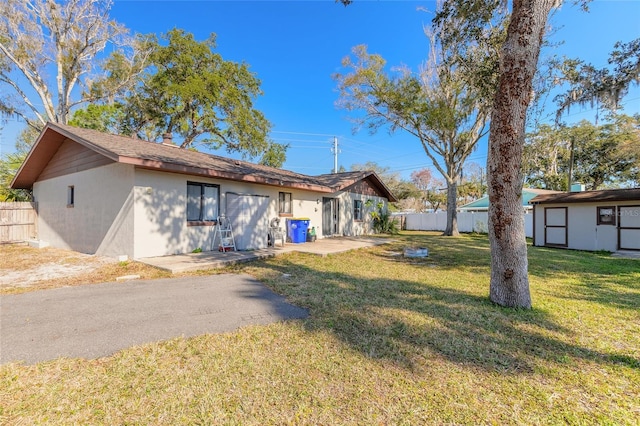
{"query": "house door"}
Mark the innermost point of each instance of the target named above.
(629, 227)
(249, 221)
(555, 226)
(330, 216)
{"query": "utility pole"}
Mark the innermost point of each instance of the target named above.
(571, 159)
(334, 150)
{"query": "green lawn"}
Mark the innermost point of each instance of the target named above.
(389, 341)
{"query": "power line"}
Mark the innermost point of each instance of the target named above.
(301, 133)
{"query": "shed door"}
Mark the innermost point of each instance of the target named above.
(555, 226)
(629, 227)
(249, 222)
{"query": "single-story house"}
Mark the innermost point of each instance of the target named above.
(482, 204)
(113, 195)
(590, 220)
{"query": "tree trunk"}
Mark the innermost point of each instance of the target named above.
(509, 280)
(452, 210)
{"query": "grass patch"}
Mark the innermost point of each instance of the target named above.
(389, 341)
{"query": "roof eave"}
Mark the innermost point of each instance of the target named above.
(211, 173)
(25, 180)
(603, 196)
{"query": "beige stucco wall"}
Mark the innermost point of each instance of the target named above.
(121, 210)
(350, 227)
(583, 231)
(305, 204)
(160, 215)
(101, 220)
(160, 211)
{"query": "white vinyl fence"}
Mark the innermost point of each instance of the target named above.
(467, 222)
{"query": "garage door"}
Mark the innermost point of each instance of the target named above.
(249, 221)
(629, 227)
(555, 226)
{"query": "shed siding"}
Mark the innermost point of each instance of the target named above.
(584, 233)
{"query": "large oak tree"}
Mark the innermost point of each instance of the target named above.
(509, 284)
(190, 91)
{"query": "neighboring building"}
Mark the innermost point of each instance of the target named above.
(591, 220)
(482, 204)
(114, 195)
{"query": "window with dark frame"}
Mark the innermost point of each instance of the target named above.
(357, 210)
(202, 202)
(71, 196)
(284, 203)
(607, 215)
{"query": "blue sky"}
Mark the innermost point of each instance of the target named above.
(295, 46)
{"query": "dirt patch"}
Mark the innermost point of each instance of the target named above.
(48, 271)
(24, 268)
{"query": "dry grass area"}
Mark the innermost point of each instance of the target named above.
(24, 268)
(390, 341)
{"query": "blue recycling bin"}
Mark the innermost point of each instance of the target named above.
(297, 230)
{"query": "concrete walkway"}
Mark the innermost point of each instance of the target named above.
(214, 259)
(626, 254)
(97, 320)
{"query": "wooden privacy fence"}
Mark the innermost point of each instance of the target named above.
(18, 221)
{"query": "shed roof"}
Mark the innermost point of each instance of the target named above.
(168, 158)
(605, 195)
(527, 195)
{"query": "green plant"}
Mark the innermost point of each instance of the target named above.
(197, 250)
(383, 222)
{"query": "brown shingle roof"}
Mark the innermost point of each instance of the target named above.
(158, 156)
(589, 196)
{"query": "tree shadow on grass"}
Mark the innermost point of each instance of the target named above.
(408, 322)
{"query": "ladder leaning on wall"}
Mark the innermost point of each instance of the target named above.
(224, 234)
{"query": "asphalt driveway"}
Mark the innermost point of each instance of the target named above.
(97, 320)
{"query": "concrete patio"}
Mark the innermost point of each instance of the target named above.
(215, 259)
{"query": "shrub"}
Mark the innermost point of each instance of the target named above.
(383, 222)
